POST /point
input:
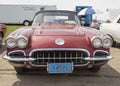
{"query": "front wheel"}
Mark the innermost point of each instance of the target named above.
(114, 44)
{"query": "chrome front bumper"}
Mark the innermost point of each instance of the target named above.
(19, 62)
(23, 59)
(99, 57)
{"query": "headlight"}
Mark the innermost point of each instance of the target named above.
(10, 42)
(22, 42)
(107, 42)
(96, 42)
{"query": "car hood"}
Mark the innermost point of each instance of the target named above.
(58, 31)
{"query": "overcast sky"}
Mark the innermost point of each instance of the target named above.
(68, 4)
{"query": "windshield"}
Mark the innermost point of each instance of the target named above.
(56, 17)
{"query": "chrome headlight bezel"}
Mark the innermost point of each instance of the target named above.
(109, 42)
(103, 41)
(96, 42)
(10, 39)
(22, 42)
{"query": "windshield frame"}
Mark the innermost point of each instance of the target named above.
(41, 13)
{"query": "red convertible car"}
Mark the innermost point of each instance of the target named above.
(58, 43)
(2, 32)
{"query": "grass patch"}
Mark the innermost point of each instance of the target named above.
(11, 28)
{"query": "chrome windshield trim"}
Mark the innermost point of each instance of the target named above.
(62, 49)
(17, 51)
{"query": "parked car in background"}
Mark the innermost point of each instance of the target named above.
(58, 43)
(101, 21)
(112, 29)
(2, 32)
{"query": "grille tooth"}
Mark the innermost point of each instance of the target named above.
(59, 56)
(48, 56)
(71, 56)
(76, 56)
(65, 56)
(54, 56)
(37, 57)
(44, 57)
(81, 55)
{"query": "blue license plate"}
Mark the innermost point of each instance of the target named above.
(60, 68)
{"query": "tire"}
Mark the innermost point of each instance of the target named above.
(114, 42)
(94, 69)
(26, 23)
(20, 71)
(1, 39)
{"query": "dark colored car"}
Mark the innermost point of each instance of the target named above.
(2, 32)
(57, 42)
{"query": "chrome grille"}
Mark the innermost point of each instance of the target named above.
(59, 56)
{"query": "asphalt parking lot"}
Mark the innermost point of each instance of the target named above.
(109, 75)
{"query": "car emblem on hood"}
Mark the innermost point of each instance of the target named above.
(59, 41)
